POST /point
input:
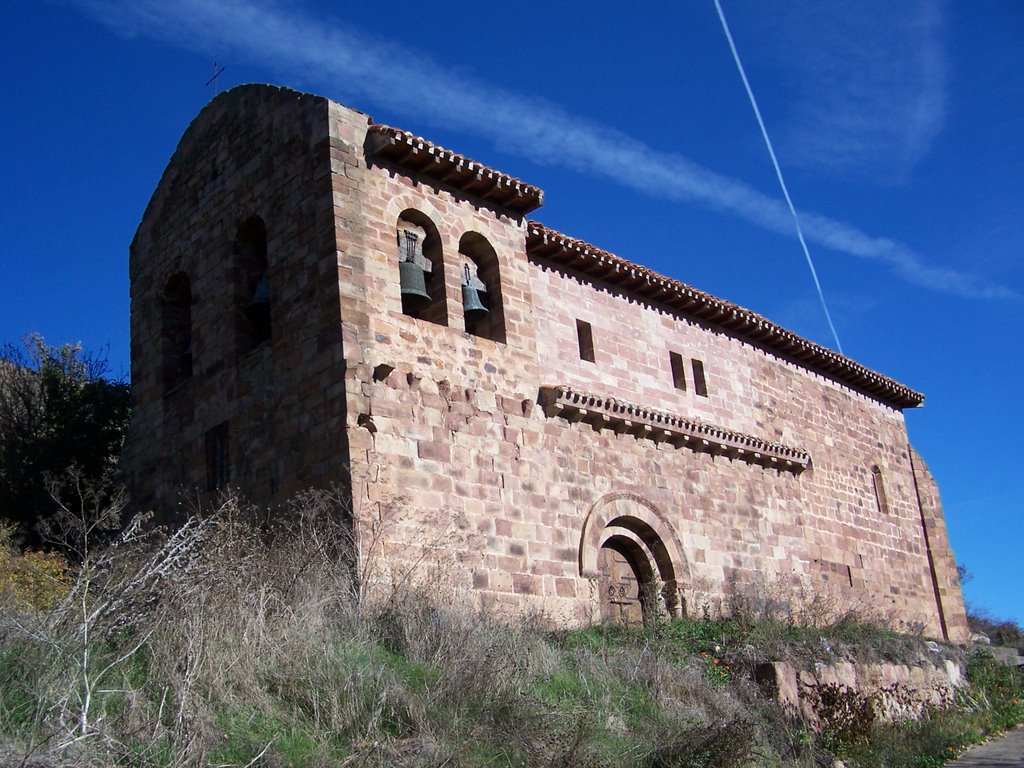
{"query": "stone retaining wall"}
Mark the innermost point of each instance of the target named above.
(899, 691)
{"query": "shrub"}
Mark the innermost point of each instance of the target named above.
(59, 410)
(30, 580)
(721, 745)
(1000, 632)
(845, 716)
(995, 688)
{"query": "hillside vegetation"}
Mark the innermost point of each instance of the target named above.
(62, 424)
(241, 640)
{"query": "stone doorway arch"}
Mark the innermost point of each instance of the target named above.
(634, 555)
(626, 582)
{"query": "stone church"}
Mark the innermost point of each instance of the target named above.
(319, 300)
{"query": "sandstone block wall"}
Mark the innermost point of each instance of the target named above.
(945, 578)
(461, 453)
(252, 153)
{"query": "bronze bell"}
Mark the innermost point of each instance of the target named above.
(262, 293)
(414, 285)
(472, 307)
(258, 308)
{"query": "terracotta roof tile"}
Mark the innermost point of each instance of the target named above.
(405, 149)
(739, 322)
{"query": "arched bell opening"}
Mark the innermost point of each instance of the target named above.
(176, 331)
(251, 294)
(421, 268)
(482, 306)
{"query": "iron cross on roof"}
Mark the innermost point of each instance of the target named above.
(213, 80)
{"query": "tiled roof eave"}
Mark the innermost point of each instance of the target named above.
(407, 150)
(738, 321)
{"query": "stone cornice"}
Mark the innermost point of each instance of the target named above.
(404, 149)
(688, 301)
(659, 426)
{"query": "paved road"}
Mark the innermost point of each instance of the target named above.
(1004, 752)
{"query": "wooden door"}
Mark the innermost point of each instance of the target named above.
(620, 587)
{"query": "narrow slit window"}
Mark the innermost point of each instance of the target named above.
(585, 337)
(176, 341)
(879, 485)
(217, 473)
(678, 370)
(700, 385)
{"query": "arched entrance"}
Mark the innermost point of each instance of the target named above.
(630, 550)
(625, 582)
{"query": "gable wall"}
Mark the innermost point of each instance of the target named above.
(254, 151)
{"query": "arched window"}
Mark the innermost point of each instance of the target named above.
(421, 268)
(251, 285)
(176, 331)
(481, 288)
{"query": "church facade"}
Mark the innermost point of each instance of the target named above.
(319, 300)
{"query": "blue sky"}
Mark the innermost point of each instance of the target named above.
(899, 128)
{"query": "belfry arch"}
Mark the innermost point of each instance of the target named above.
(629, 547)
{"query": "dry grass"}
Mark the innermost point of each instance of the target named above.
(238, 640)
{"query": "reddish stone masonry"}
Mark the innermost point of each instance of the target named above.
(430, 425)
(659, 426)
(750, 326)
(458, 171)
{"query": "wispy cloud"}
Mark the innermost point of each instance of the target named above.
(802, 313)
(349, 64)
(870, 82)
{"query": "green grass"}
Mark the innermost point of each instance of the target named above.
(417, 676)
(264, 651)
(600, 696)
(284, 736)
(19, 685)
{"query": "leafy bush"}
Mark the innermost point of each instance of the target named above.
(995, 688)
(846, 716)
(30, 580)
(1000, 632)
(62, 424)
